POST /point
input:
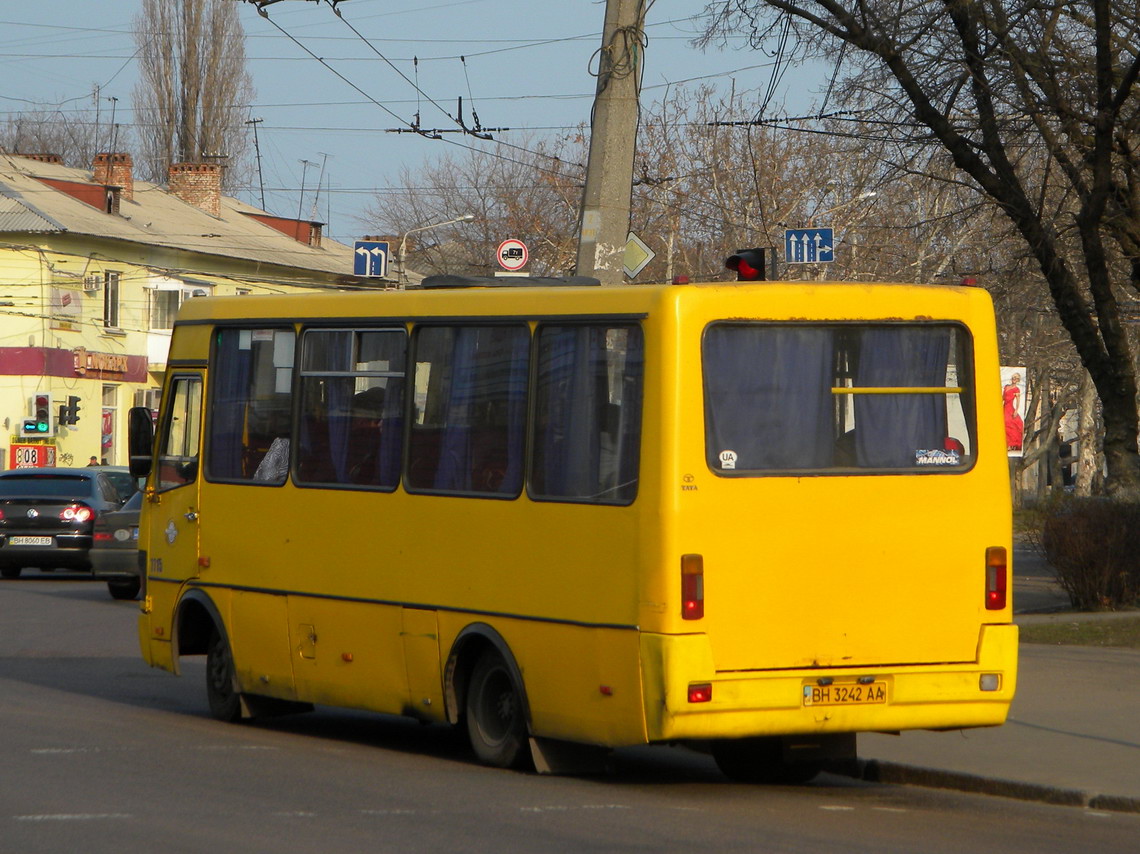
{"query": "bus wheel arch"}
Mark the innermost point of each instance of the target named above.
(484, 689)
(200, 630)
(196, 617)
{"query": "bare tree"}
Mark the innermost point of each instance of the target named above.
(1036, 103)
(76, 135)
(528, 190)
(194, 91)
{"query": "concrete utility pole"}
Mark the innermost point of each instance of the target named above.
(613, 137)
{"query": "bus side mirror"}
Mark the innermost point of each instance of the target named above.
(140, 440)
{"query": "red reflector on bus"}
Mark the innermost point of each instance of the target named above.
(996, 578)
(700, 692)
(692, 587)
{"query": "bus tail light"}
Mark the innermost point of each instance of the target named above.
(997, 575)
(700, 692)
(692, 587)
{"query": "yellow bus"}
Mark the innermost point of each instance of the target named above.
(753, 518)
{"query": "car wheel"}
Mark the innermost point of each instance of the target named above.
(124, 589)
(11, 571)
(495, 722)
(225, 701)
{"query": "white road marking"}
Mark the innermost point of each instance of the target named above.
(91, 816)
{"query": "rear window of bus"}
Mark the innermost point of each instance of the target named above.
(806, 398)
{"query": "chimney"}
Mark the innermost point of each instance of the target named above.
(115, 170)
(44, 158)
(198, 184)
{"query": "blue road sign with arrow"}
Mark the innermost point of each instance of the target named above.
(370, 258)
(809, 245)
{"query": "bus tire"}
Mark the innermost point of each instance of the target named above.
(760, 760)
(496, 725)
(224, 700)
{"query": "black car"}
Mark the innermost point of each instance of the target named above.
(47, 516)
(115, 549)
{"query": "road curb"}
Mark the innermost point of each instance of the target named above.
(878, 771)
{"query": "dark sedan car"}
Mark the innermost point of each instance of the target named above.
(47, 516)
(115, 549)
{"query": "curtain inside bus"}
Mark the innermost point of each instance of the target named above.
(891, 427)
(769, 397)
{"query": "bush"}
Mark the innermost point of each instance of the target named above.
(1093, 544)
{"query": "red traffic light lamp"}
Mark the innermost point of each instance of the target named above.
(748, 264)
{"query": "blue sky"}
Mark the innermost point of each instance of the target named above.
(525, 65)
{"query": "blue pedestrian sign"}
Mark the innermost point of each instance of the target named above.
(809, 245)
(370, 258)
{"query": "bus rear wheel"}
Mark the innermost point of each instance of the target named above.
(225, 701)
(761, 760)
(496, 725)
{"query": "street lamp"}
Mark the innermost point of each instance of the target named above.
(404, 239)
(868, 195)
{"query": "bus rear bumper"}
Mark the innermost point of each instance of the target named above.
(701, 703)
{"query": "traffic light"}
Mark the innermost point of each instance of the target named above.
(40, 422)
(69, 412)
(748, 264)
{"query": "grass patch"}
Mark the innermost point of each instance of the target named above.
(1119, 631)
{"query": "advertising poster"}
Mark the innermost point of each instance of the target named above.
(1013, 408)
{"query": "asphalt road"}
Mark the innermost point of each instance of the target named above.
(98, 753)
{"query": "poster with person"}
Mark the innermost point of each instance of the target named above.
(1013, 408)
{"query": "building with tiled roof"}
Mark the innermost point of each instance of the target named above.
(93, 268)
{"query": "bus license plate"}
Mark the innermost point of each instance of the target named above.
(29, 541)
(845, 694)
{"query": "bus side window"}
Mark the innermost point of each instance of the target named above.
(471, 394)
(178, 451)
(352, 407)
(251, 405)
(587, 426)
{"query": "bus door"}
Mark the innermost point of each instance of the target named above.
(173, 542)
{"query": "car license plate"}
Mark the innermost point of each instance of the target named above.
(845, 694)
(29, 541)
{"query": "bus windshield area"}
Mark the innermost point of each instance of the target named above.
(838, 398)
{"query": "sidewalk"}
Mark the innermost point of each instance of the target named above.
(1072, 737)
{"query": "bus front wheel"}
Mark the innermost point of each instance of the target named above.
(495, 722)
(225, 702)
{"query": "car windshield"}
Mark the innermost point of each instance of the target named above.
(124, 484)
(45, 486)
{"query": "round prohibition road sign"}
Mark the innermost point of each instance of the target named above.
(512, 254)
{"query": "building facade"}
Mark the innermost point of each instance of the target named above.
(93, 268)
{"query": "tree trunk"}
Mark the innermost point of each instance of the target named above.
(1087, 455)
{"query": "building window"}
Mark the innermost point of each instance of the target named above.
(111, 300)
(107, 430)
(163, 308)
